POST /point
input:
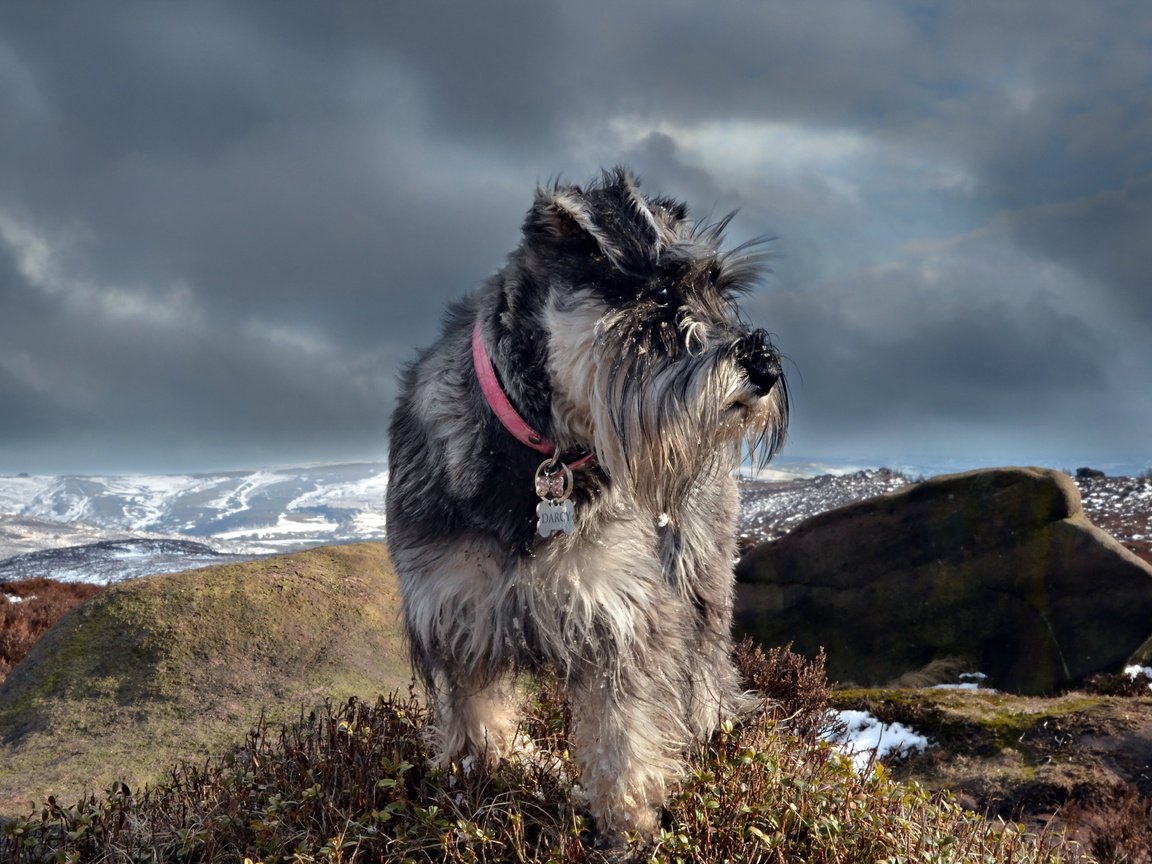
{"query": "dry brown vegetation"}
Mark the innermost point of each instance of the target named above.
(352, 783)
(41, 603)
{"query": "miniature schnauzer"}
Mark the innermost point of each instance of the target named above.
(561, 494)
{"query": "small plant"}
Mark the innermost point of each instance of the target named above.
(1120, 829)
(795, 690)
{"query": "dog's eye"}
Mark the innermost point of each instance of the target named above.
(664, 293)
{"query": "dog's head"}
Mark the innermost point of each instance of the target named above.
(651, 364)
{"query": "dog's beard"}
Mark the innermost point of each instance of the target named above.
(659, 421)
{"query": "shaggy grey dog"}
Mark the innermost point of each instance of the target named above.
(561, 495)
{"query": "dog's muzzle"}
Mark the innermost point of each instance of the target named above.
(760, 361)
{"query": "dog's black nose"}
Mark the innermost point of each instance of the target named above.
(763, 372)
(761, 361)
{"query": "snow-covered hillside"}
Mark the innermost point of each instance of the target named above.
(240, 512)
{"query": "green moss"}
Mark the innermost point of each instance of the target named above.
(966, 722)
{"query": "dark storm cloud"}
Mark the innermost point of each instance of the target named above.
(258, 171)
(974, 337)
(143, 375)
(1106, 238)
(983, 357)
(222, 226)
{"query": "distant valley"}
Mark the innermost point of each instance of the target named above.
(182, 520)
(105, 529)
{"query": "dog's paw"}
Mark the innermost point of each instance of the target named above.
(613, 847)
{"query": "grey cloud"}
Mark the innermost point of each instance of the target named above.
(28, 413)
(881, 360)
(134, 378)
(1104, 237)
(1044, 101)
(972, 364)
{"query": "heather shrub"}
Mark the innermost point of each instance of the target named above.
(1119, 829)
(1120, 684)
(41, 603)
(352, 783)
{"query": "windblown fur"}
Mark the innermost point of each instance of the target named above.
(613, 328)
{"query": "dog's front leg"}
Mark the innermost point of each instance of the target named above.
(627, 746)
(476, 718)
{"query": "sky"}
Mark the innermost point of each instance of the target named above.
(225, 226)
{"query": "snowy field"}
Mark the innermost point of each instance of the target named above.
(257, 512)
(865, 740)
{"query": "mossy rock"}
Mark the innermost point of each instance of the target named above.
(178, 666)
(999, 568)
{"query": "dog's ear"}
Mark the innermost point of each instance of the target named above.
(559, 214)
(677, 210)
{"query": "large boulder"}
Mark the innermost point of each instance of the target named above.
(999, 568)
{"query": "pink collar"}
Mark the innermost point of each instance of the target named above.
(508, 416)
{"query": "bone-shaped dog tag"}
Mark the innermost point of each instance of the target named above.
(553, 516)
(554, 512)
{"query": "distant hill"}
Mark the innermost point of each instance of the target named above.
(109, 561)
(177, 666)
(263, 511)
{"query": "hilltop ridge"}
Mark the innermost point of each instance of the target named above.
(173, 666)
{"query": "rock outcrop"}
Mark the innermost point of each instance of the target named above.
(999, 568)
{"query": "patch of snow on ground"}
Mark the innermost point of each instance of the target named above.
(864, 739)
(289, 528)
(237, 500)
(285, 524)
(968, 681)
(369, 524)
(783, 470)
(367, 490)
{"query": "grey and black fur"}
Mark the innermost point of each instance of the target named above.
(613, 328)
